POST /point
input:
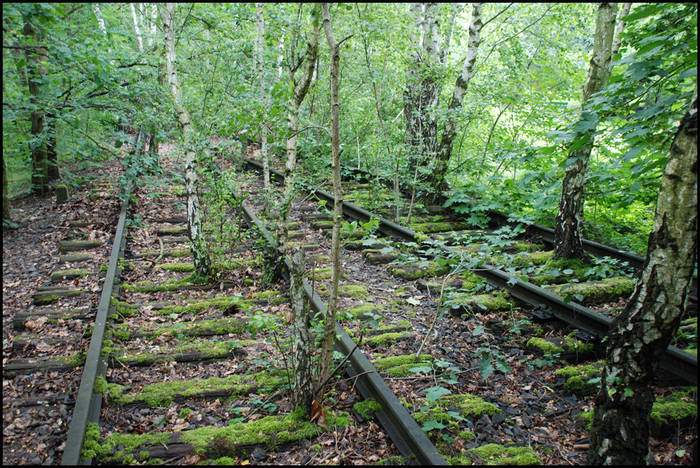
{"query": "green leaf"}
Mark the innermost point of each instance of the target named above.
(486, 368)
(432, 424)
(433, 393)
(421, 370)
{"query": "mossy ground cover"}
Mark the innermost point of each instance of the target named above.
(239, 438)
(217, 326)
(465, 405)
(220, 303)
(677, 408)
(466, 305)
(424, 269)
(595, 292)
(568, 347)
(578, 378)
(439, 226)
(173, 253)
(495, 454)
(163, 393)
(401, 365)
(204, 350)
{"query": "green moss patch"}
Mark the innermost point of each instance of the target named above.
(465, 405)
(53, 295)
(387, 339)
(439, 226)
(270, 431)
(367, 408)
(353, 290)
(75, 245)
(532, 258)
(595, 292)
(568, 348)
(177, 267)
(171, 231)
(401, 365)
(162, 394)
(221, 303)
(218, 326)
(376, 257)
(272, 296)
(364, 311)
(543, 346)
(494, 454)
(677, 406)
(91, 440)
(467, 304)
(188, 353)
(577, 377)
(322, 273)
(425, 269)
(559, 271)
(169, 285)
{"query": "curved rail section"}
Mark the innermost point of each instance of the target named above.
(676, 362)
(408, 437)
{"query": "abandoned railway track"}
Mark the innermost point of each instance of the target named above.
(168, 369)
(482, 313)
(179, 371)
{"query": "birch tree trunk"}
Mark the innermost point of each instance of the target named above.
(617, 40)
(302, 391)
(202, 263)
(36, 55)
(567, 232)
(329, 330)
(444, 150)
(641, 333)
(139, 40)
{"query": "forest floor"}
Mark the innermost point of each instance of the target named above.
(543, 417)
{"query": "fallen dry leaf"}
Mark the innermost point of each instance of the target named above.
(318, 414)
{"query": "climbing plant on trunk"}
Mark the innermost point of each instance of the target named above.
(422, 91)
(640, 335)
(567, 236)
(302, 391)
(202, 263)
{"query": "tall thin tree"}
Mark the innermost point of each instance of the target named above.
(567, 236)
(302, 391)
(444, 150)
(202, 263)
(329, 329)
(640, 334)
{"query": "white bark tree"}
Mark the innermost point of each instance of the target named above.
(640, 334)
(444, 150)
(200, 255)
(567, 235)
